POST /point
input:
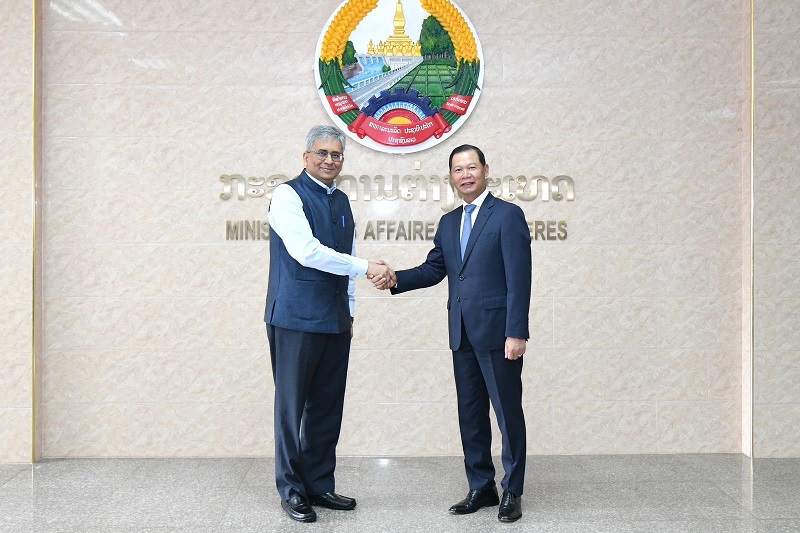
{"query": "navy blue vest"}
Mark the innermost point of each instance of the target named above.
(302, 298)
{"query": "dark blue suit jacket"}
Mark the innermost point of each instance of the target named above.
(490, 290)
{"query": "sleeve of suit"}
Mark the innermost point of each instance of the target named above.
(428, 274)
(516, 248)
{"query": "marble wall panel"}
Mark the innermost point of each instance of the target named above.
(16, 160)
(539, 426)
(699, 427)
(705, 62)
(16, 221)
(653, 270)
(554, 376)
(16, 48)
(174, 58)
(556, 60)
(775, 431)
(656, 375)
(140, 376)
(217, 15)
(138, 430)
(777, 70)
(542, 323)
(777, 325)
(777, 111)
(15, 108)
(85, 110)
(696, 165)
(778, 373)
(779, 225)
(15, 435)
(725, 376)
(410, 323)
(400, 429)
(574, 113)
(776, 18)
(696, 322)
(625, 217)
(16, 230)
(15, 381)
(154, 323)
(15, 328)
(86, 15)
(580, 18)
(147, 104)
(777, 269)
(254, 429)
(400, 376)
(230, 270)
(587, 274)
(777, 166)
(710, 218)
(703, 18)
(689, 112)
(607, 323)
(605, 427)
(16, 273)
(775, 210)
(117, 163)
(141, 217)
(16, 14)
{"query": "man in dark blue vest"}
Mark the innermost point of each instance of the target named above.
(309, 323)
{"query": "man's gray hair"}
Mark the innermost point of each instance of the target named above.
(324, 133)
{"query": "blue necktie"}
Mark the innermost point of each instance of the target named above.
(467, 228)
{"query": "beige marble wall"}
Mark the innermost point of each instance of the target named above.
(777, 211)
(153, 341)
(16, 171)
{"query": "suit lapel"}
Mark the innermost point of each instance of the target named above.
(455, 232)
(480, 222)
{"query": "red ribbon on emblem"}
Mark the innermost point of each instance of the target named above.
(341, 103)
(457, 104)
(399, 134)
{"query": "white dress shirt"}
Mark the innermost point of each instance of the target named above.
(477, 203)
(287, 219)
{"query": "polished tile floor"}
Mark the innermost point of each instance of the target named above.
(582, 494)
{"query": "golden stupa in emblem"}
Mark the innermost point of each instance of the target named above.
(397, 44)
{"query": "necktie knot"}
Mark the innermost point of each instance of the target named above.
(466, 229)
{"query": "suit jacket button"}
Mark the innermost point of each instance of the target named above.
(461, 278)
(458, 299)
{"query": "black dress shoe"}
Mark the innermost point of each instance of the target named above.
(510, 508)
(334, 501)
(298, 508)
(475, 500)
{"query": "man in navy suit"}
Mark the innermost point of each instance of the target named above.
(484, 251)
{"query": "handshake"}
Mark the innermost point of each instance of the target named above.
(381, 275)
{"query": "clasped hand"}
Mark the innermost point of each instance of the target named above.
(381, 275)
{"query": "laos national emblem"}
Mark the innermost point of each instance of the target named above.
(399, 76)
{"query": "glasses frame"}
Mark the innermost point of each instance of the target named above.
(336, 157)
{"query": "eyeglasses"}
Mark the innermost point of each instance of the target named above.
(323, 155)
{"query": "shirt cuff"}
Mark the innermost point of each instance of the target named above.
(360, 266)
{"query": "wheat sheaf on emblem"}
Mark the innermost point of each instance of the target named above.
(466, 50)
(343, 24)
(350, 16)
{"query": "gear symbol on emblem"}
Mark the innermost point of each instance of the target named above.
(399, 100)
